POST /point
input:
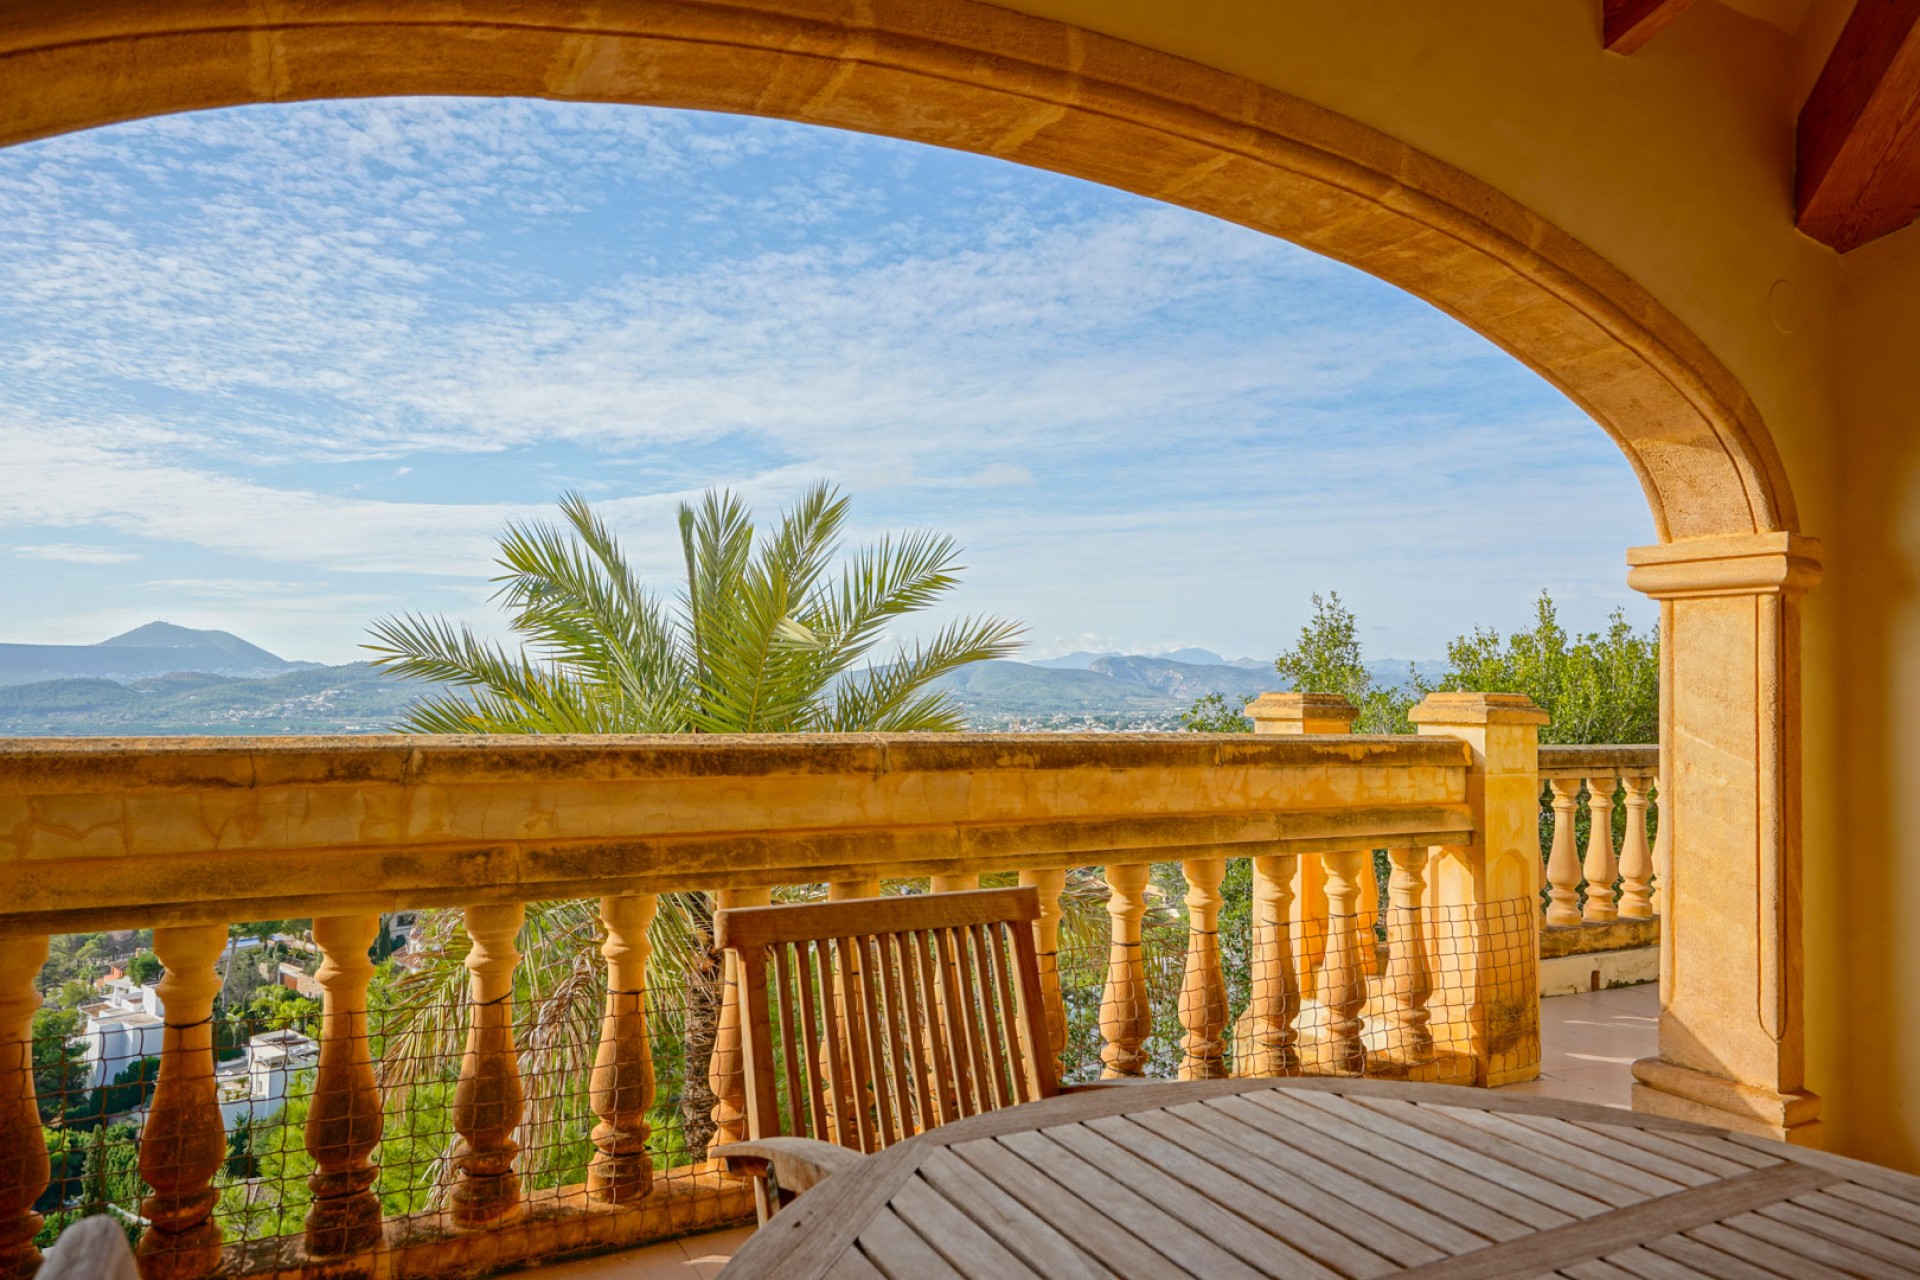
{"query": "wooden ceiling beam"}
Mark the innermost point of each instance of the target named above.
(1859, 134)
(1629, 24)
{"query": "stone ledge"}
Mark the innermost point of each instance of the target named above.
(1583, 939)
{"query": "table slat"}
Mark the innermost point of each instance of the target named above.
(1009, 1221)
(1088, 1229)
(955, 1236)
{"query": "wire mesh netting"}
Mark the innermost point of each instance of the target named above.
(97, 1043)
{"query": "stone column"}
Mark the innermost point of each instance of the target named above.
(1203, 988)
(344, 1118)
(1046, 945)
(621, 1089)
(1317, 714)
(1486, 895)
(1126, 1017)
(1732, 1050)
(488, 1100)
(23, 1150)
(184, 1140)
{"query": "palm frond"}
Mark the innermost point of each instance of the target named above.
(895, 698)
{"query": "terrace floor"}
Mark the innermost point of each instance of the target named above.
(1586, 1044)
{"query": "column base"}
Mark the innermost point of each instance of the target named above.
(1662, 1088)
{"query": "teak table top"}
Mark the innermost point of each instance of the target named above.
(1331, 1178)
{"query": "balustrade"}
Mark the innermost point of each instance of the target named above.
(1603, 887)
(1329, 982)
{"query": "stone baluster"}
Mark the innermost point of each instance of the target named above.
(1203, 990)
(488, 1101)
(1636, 859)
(184, 1141)
(1343, 980)
(1125, 1014)
(344, 1116)
(727, 1069)
(1601, 869)
(24, 1168)
(1409, 969)
(621, 1088)
(1266, 1039)
(1662, 852)
(1046, 945)
(954, 883)
(1563, 864)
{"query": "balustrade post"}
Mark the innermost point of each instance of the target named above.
(1297, 714)
(1486, 893)
(1409, 968)
(1563, 864)
(1126, 1016)
(1265, 1041)
(621, 1088)
(344, 1116)
(727, 1069)
(1601, 870)
(488, 1101)
(1662, 857)
(1636, 860)
(1203, 989)
(184, 1140)
(1343, 980)
(1046, 945)
(24, 1168)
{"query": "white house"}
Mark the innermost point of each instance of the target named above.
(124, 1025)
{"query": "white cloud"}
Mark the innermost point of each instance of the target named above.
(74, 553)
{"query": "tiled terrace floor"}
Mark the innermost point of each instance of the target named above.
(1586, 1044)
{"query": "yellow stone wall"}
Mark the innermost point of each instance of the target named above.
(1673, 167)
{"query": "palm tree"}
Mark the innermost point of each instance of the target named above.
(763, 638)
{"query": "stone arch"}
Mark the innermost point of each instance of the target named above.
(969, 76)
(965, 75)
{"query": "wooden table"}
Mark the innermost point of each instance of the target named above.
(1325, 1178)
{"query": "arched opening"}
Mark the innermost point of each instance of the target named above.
(972, 77)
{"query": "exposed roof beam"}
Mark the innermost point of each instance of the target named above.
(1859, 157)
(1631, 23)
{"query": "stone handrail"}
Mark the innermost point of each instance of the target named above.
(188, 835)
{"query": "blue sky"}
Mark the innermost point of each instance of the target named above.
(282, 370)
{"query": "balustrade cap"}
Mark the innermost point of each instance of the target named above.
(1301, 707)
(1478, 708)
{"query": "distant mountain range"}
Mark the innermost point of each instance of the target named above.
(163, 679)
(156, 649)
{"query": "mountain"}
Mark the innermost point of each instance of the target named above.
(1081, 660)
(155, 649)
(355, 698)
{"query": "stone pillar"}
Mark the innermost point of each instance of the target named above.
(23, 1150)
(1308, 713)
(184, 1140)
(1203, 988)
(1265, 1040)
(1486, 895)
(488, 1100)
(1732, 1030)
(621, 1088)
(727, 1068)
(1046, 945)
(1126, 1016)
(344, 1118)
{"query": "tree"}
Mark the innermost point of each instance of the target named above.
(1217, 713)
(144, 967)
(762, 638)
(1328, 659)
(1602, 686)
(59, 1061)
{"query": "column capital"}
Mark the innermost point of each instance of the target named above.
(1742, 564)
(1302, 713)
(1477, 709)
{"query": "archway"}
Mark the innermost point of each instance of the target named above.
(966, 75)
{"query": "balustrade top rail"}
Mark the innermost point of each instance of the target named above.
(1607, 759)
(106, 833)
